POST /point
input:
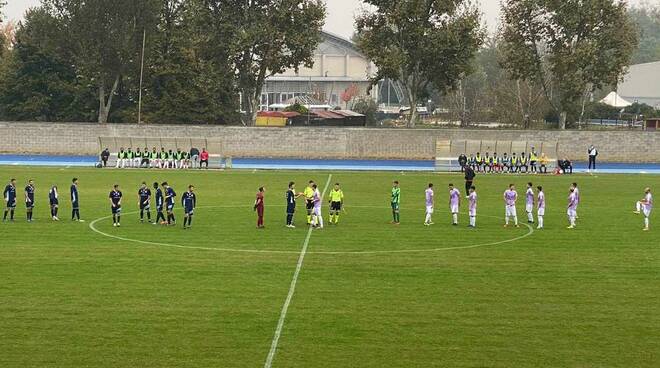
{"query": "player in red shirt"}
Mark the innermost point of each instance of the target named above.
(259, 207)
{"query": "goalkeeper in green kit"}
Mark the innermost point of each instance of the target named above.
(396, 199)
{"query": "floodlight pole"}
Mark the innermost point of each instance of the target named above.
(144, 41)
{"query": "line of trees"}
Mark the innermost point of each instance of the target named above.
(80, 60)
(547, 60)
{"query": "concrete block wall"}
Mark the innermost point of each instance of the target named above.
(347, 143)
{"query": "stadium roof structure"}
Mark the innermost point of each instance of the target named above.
(613, 99)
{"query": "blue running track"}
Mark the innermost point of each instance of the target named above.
(301, 164)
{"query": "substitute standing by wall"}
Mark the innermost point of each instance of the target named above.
(593, 153)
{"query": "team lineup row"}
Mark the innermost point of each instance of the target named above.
(165, 195)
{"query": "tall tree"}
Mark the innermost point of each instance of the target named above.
(647, 18)
(264, 38)
(420, 43)
(105, 39)
(182, 83)
(38, 81)
(569, 47)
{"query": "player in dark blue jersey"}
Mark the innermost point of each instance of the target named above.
(144, 202)
(115, 205)
(291, 197)
(170, 194)
(9, 195)
(189, 202)
(53, 200)
(29, 199)
(75, 203)
(160, 200)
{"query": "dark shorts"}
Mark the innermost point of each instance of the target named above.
(115, 210)
(74, 205)
(170, 207)
(54, 204)
(189, 210)
(145, 206)
(29, 205)
(290, 209)
(395, 206)
(309, 204)
(11, 205)
(335, 206)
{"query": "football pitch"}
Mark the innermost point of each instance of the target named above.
(363, 293)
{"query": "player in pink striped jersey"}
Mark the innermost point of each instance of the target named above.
(572, 208)
(454, 203)
(510, 198)
(429, 205)
(472, 209)
(540, 203)
(577, 196)
(645, 205)
(529, 203)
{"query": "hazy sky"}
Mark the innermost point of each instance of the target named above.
(340, 13)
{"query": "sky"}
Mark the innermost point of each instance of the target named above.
(340, 13)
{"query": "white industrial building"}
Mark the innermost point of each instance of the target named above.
(338, 65)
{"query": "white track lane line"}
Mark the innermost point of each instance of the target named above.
(292, 289)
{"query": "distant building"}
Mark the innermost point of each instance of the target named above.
(642, 84)
(338, 66)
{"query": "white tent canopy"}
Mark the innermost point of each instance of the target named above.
(613, 99)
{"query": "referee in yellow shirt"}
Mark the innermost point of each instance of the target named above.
(309, 201)
(336, 201)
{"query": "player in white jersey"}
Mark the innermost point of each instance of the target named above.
(317, 217)
(540, 204)
(472, 211)
(572, 208)
(645, 205)
(510, 198)
(529, 203)
(454, 203)
(429, 205)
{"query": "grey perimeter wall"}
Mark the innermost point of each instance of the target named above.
(350, 143)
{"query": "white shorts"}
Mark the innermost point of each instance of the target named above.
(571, 213)
(316, 211)
(453, 208)
(646, 212)
(541, 211)
(429, 209)
(473, 213)
(510, 211)
(529, 207)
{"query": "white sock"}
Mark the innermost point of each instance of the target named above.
(455, 217)
(506, 220)
(646, 222)
(515, 220)
(473, 220)
(530, 217)
(572, 220)
(428, 218)
(320, 221)
(540, 221)
(639, 206)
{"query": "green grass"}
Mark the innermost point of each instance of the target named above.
(70, 297)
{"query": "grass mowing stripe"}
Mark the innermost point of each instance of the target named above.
(292, 289)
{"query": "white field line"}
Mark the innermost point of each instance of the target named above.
(92, 226)
(292, 289)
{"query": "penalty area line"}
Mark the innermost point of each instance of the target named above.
(292, 290)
